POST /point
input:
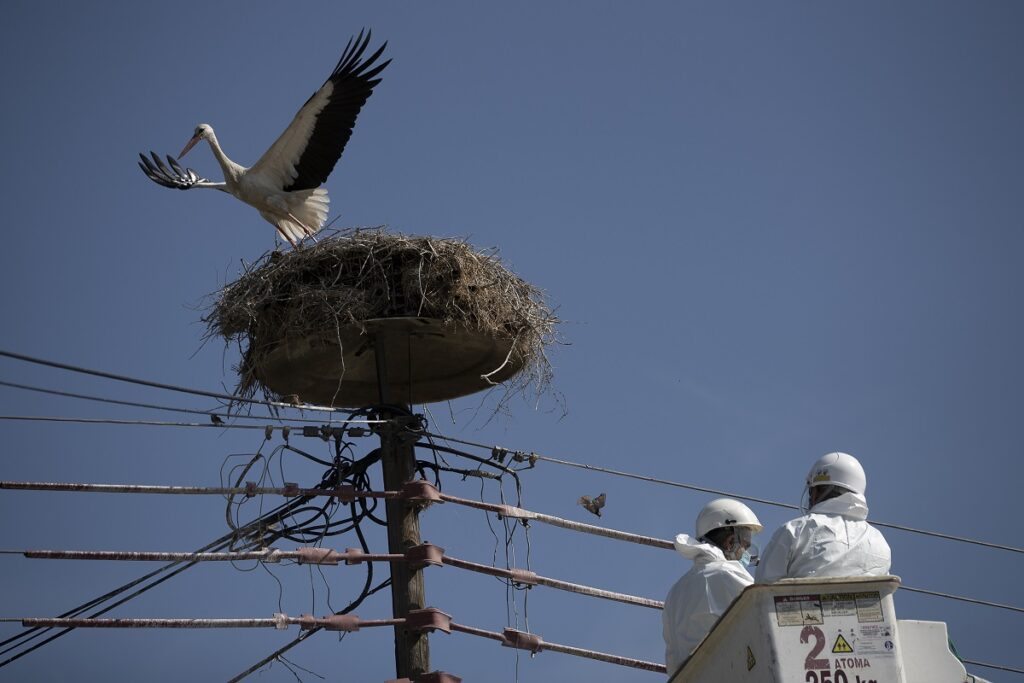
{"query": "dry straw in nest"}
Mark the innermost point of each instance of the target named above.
(358, 275)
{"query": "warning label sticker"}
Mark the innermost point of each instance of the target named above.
(798, 610)
(801, 610)
(869, 607)
(841, 646)
(838, 605)
(875, 639)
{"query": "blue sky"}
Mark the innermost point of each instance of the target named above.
(772, 231)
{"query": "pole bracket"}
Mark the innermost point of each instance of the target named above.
(423, 555)
(429, 619)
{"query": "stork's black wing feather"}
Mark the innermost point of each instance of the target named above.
(353, 80)
(176, 177)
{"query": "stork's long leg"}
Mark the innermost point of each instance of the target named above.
(309, 231)
(283, 234)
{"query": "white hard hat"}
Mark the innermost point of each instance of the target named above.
(838, 469)
(723, 512)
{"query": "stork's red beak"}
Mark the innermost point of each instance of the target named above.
(190, 144)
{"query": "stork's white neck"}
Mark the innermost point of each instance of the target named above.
(232, 171)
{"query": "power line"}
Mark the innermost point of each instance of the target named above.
(306, 634)
(348, 493)
(533, 457)
(159, 423)
(509, 637)
(278, 621)
(153, 406)
(322, 556)
(311, 555)
(159, 385)
(526, 577)
(227, 540)
(519, 513)
(998, 667)
(963, 599)
(534, 643)
(344, 493)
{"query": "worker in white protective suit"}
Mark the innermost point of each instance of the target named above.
(720, 552)
(833, 538)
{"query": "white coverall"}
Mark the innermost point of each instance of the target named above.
(831, 540)
(697, 599)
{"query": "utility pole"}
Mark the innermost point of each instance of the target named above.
(398, 462)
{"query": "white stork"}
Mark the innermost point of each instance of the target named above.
(284, 185)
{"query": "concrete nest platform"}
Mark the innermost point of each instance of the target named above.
(427, 318)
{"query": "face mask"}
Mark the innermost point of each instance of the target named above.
(745, 558)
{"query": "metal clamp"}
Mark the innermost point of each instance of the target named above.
(312, 555)
(429, 619)
(420, 490)
(424, 554)
(341, 622)
(345, 493)
(521, 640)
(523, 577)
(352, 555)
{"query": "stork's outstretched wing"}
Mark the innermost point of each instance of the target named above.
(175, 177)
(306, 152)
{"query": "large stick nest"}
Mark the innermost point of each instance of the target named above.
(358, 275)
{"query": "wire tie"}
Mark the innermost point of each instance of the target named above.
(314, 555)
(345, 493)
(522, 640)
(354, 555)
(341, 622)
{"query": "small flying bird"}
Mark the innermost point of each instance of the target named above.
(284, 185)
(593, 505)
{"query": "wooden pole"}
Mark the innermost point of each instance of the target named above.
(398, 461)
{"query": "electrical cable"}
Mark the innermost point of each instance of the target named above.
(703, 489)
(158, 385)
(533, 456)
(962, 598)
(366, 592)
(534, 643)
(997, 667)
(332, 557)
(32, 634)
(335, 492)
(151, 423)
(333, 529)
(261, 524)
(154, 406)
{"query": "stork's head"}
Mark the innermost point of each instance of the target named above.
(203, 132)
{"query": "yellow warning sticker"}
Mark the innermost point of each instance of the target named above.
(751, 662)
(841, 645)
